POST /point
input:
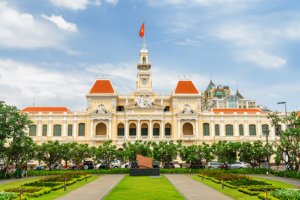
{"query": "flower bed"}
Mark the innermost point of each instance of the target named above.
(30, 191)
(52, 185)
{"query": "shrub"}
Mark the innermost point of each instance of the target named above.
(52, 185)
(7, 195)
(247, 182)
(286, 194)
(30, 191)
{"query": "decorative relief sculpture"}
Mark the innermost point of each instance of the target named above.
(187, 109)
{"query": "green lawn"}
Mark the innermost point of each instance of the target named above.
(235, 194)
(58, 193)
(17, 183)
(144, 188)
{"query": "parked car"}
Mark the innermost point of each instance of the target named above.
(125, 165)
(196, 166)
(87, 165)
(213, 165)
(115, 164)
(171, 165)
(239, 165)
(39, 167)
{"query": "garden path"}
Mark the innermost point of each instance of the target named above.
(95, 190)
(194, 190)
(295, 182)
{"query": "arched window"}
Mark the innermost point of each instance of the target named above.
(229, 130)
(265, 129)
(168, 129)
(132, 129)
(217, 130)
(32, 130)
(81, 129)
(252, 129)
(156, 129)
(120, 129)
(241, 129)
(45, 128)
(57, 130)
(70, 130)
(101, 129)
(144, 129)
(206, 129)
(187, 129)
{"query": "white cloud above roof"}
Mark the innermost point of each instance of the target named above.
(61, 23)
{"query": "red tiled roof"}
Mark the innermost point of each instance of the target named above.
(298, 113)
(45, 109)
(237, 110)
(186, 87)
(102, 86)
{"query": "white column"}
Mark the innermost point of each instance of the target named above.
(75, 128)
(212, 127)
(162, 129)
(197, 128)
(92, 129)
(178, 129)
(109, 128)
(126, 130)
(272, 133)
(39, 133)
(64, 133)
(151, 129)
(246, 126)
(139, 130)
(236, 127)
(222, 128)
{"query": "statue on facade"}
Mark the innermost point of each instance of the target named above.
(187, 109)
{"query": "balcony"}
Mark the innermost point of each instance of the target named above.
(188, 137)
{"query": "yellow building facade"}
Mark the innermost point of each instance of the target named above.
(147, 116)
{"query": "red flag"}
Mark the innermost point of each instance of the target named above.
(142, 31)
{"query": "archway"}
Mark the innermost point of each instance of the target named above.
(187, 129)
(121, 129)
(132, 129)
(168, 129)
(156, 129)
(144, 129)
(101, 129)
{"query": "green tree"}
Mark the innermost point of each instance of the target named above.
(67, 151)
(196, 154)
(51, 153)
(137, 148)
(106, 153)
(226, 152)
(165, 152)
(287, 147)
(80, 152)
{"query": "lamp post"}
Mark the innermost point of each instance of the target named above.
(283, 102)
(267, 131)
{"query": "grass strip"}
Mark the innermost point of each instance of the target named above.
(144, 188)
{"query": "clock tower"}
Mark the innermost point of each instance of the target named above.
(144, 81)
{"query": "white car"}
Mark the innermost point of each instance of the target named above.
(213, 165)
(239, 165)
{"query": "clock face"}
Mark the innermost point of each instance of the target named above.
(144, 81)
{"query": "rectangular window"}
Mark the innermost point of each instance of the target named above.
(229, 130)
(241, 129)
(167, 109)
(120, 131)
(252, 130)
(44, 133)
(81, 129)
(156, 131)
(132, 131)
(206, 129)
(70, 130)
(167, 131)
(217, 130)
(32, 130)
(120, 108)
(265, 129)
(144, 131)
(57, 130)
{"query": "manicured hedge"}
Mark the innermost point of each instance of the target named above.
(30, 191)
(8, 195)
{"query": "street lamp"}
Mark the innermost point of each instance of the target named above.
(267, 131)
(283, 102)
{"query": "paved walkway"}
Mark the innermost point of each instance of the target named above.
(295, 182)
(95, 190)
(194, 190)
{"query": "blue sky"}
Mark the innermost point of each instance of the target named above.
(51, 51)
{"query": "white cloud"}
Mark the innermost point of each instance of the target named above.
(23, 30)
(80, 4)
(61, 23)
(198, 2)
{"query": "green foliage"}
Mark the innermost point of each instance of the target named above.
(137, 148)
(286, 194)
(7, 195)
(30, 191)
(79, 152)
(51, 152)
(106, 153)
(196, 154)
(226, 152)
(165, 152)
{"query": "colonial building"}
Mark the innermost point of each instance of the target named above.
(145, 115)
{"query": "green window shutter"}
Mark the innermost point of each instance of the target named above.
(57, 130)
(144, 131)
(167, 131)
(120, 131)
(217, 130)
(229, 130)
(132, 131)
(32, 130)
(206, 129)
(81, 129)
(252, 129)
(45, 128)
(241, 129)
(156, 131)
(70, 130)
(265, 128)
